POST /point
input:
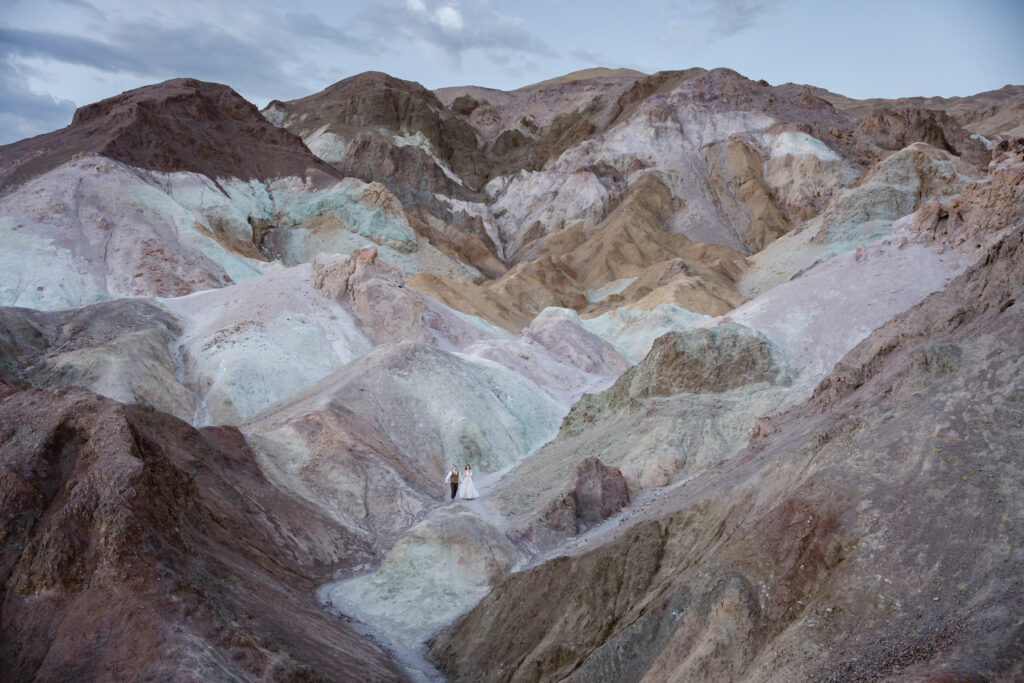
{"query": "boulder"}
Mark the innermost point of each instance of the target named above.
(596, 492)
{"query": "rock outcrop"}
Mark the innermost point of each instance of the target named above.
(629, 244)
(375, 293)
(894, 129)
(711, 360)
(596, 492)
(338, 124)
(690, 402)
(894, 187)
(993, 113)
(971, 220)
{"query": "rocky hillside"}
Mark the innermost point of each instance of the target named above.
(833, 545)
(735, 366)
(992, 113)
(138, 547)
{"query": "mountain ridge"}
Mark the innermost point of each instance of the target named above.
(735, 368)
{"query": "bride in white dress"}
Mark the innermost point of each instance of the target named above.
(466, 489)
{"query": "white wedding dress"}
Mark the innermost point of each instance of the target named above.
(466, 489)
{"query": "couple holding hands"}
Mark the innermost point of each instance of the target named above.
(462, 485)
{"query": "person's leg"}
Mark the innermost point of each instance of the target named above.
(455, 488)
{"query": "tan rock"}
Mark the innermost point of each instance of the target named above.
(972, 220)
(374, 290)
(738, 170)
(804, 174)
(375, 194)
(630, 243)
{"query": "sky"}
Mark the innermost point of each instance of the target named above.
(56, 55)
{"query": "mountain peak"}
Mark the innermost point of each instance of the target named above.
(182, 124)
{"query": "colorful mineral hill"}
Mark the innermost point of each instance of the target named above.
(736, 368)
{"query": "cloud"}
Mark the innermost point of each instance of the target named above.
(590, 58)
(64, 48)
(452, 31)
(708, 20)
(264, 51)
(729, 17)
(448, 18)
(305, 25)
(158, 52)
(88, 7)
(203, 51)
(24, 112)
(148, 50)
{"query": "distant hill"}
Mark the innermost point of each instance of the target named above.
(587, 74)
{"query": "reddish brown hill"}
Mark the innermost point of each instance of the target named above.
(178, 125)
(135, 547)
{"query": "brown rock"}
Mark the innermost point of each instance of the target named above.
(178, 125)
(468, 297)
(375, 291)
(630, 243)
(119, 347)
(741, 172)
(893, 129)
(633, 237)
(711, 360)
(971, 220)
(995, 112)
(136, 547)
(598, 492)
(526, 127)
(464, 105)
(954, 677)
(364, 113)
(373, 100)
(660, 82)
(408, 171)
(464, 239)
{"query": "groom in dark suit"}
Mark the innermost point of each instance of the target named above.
(453, 479)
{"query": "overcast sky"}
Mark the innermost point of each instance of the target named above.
(59, 54)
